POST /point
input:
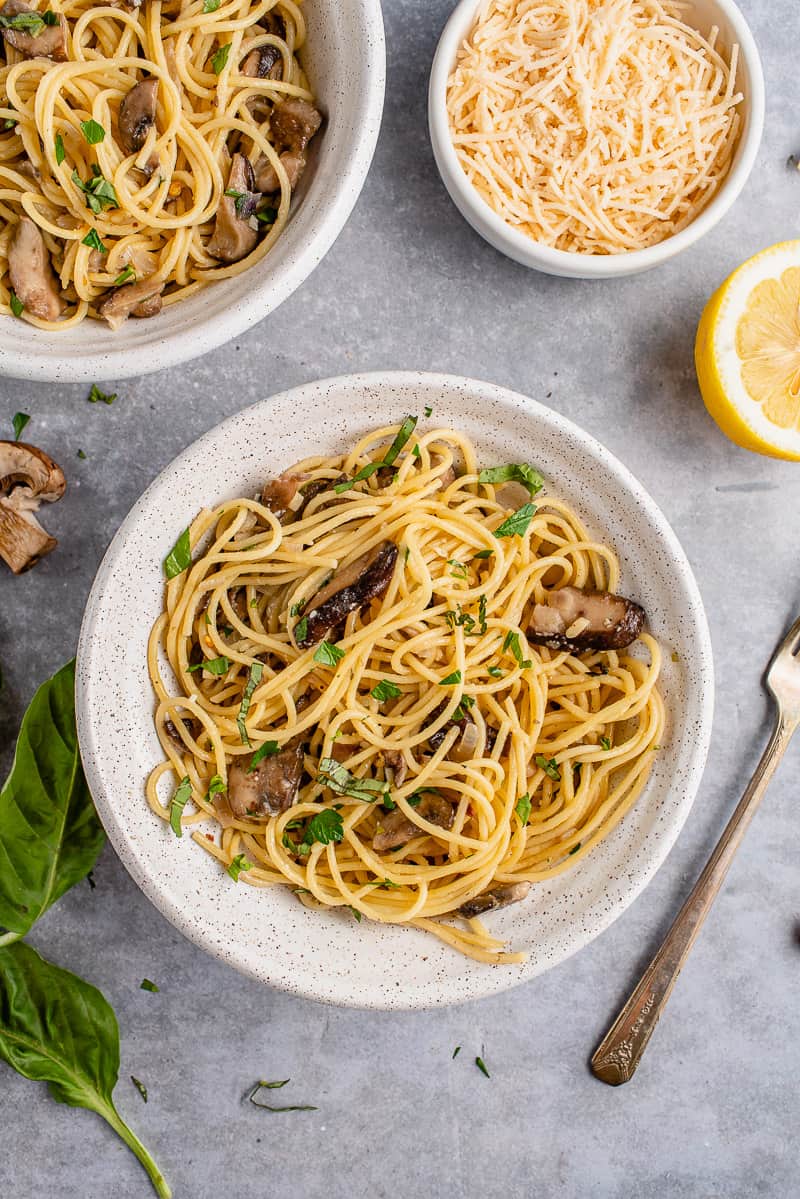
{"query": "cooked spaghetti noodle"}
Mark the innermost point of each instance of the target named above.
(431, 688)
(135, 201)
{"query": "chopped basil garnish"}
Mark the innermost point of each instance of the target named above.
(324, 827)
(605, 743)
(415, 450)
(96, 396)
(140, 1087)
(180, 556)
(428, 410)
(267, 215)
(220, 59)
(574, 849)
(296, 609)
(300, 629)
(406, 429)
(211, 5)
(459, 619)
(147, 985)
(517, 473)
(459, 570)
(98, 192)
(215, 786)
(366, 472)
(479, 1062)
(19, 421)
(240, 863)
(467, 702)
(484, 554)
(386, 883)
(178, 803)
(358, 915)
(92, 239)
(517, 524)
(339, 779)
(523, 808)
(549, 766)
(451, 679)
(61, 153)
(9, 123)
(17, 307)
(28, 22)
(384, 690)
(93, 132)
(212, 665)
(482, 614)
(126, 276)
(264, 751)
(512, 643)
(495, 672)
(328, 654)
(253, 679)
(243, 202)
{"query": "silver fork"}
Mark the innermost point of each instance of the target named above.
(620, 1051)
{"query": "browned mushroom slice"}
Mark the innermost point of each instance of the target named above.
(132, 299)
(292, 161)
(48, 42)
(137, 115)
(277, 495)
(490, 901)
(27, 477)
(395, 759)
(396, 828)
(31, 273)
(578, 620)
(265, 62)
(350, 588)
(234, 236)
(269, 789)
(294, 122)
(274, 23)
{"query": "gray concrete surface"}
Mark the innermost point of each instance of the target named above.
(713, 1110)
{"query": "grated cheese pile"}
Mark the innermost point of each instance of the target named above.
(594, 126)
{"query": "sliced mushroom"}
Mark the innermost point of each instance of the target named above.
(132, 299)
(395, 759)
(350, 588)
(265, 62)
(490, 901)
(274, 23)
(436, 738)
(31, 274)
(269, 789)
(27, 477)
(278, 494)
(294, 122)
(578, 620)
(292, 161)
(234, 237)
(396, 828)
(49, 42)
(137, 115)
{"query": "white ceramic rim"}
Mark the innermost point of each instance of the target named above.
(518, 245)
(93, 716)
(267, 295)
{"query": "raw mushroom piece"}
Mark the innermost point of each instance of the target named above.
(351, 587)
(27, 477)
(49, 42)
(31, 274)
(578, 620)
(497, 897)
(234, 236)
(132, 299)
(137, 115)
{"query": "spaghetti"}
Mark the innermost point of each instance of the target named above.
(362, 632)
(159, 156)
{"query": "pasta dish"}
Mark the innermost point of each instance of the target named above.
(400, 683)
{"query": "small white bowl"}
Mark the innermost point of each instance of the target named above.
(345, 59)
(702, 14)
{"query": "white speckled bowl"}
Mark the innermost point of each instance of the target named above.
(345, 59)
(267, 933)
(701, 14)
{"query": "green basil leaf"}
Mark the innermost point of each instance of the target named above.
(325, 826)
(61, 153)
(451, 679)
(384, 690)
(574, 849)
(484, 554)
(264, 751)
(523, 809)
(19, 421)
(126, 276)
(24, 22)
(212, 665)
(50, 836)
(339, 779)
(58, 1029)
(17, 307)
(178, 802)
(406, 429)
(92, 239)
(220, 59)
(240, 863)
(216, 786)
(300, 629)
(517, 523)
(96, 396)
(428, 410)
(366, 472)
(93, 132)
(328, 654)
(495, 672)
(549, 766)
(211, 5)
(147, 985)
(517, 473)
(253, 679)
(605, 743)
(179, 557)
(512, 642)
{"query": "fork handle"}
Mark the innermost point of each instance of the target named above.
(620, 1051)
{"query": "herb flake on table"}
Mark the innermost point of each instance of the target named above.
(253, 679)
(456, 1051)
(516, 525)
(479, 1062)
(268, 1086)
(19, 421)
(147, 985)
(178, 802)
(96, 396)
(140, 1087)
(179, 557)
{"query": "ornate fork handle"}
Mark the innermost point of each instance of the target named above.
(620, 1051)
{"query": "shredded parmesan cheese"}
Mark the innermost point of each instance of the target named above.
(593, 126)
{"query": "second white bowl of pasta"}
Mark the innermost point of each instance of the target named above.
(167, 183)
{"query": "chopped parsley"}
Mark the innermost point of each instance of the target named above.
(98, 192)
(212, 665)
(264, 751)
(126, 276)
(605, 743)
(92, 239)
(467, 702)
(384, 690)
(428, 410)
(147, 985)
(240, 863)
(451, 680)
(406, 429)
(93, 132)
(479, 1062)
(415, 450)
(323, 827)
(339, 780)
(516, 473)
(296, 609)
(81, 453)
(178, 803)
(328, 654)
(96, 396)
(220, 59)
(523, 808)
(517, 523)
(549, 766)
(19, 421)
(267, 215)
(511, 642)
(301, 629)
(140, 1087)
(61, 153)
(17, 307)
(253, 679)
(180, 556)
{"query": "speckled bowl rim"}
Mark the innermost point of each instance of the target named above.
(95, 733)
(231, 306)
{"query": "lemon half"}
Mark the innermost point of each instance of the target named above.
(747, 353)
